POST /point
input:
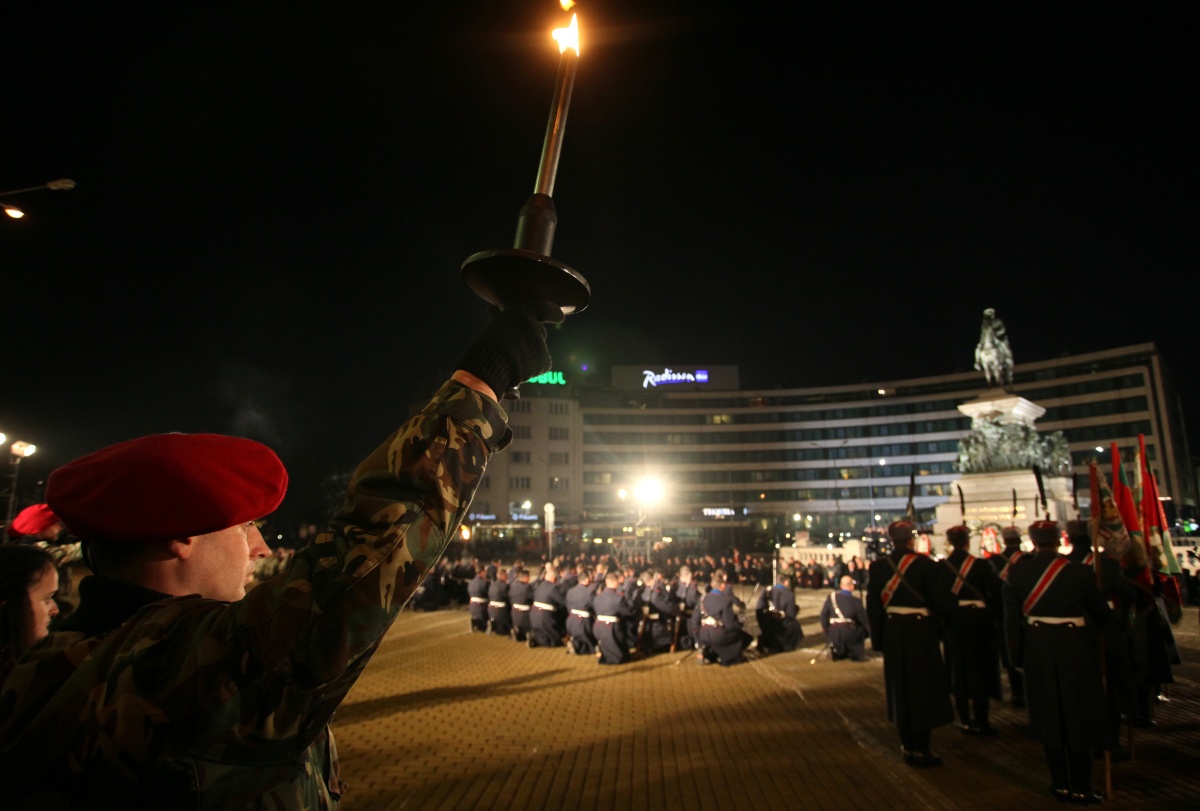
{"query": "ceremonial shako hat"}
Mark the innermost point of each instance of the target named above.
(32, 520)
(1045, 533)
(1011, 536)
(901, 531)
(958, 535)
(1078, 530)
(167, 486)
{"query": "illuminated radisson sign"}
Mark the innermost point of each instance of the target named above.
(667, 376)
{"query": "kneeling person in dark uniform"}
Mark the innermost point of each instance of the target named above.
(520, 598)
(776, 612)
(477, 593)
(499, 613)
(844, 621)
(721, 636)
(609, 628)
(549, 610)
(579, 618)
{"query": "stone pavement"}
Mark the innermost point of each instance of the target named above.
(446, 719)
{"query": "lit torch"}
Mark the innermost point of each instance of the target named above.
(526, 272)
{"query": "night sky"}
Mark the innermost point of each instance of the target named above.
(274, 199)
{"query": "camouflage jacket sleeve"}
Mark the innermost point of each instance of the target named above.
(254, 681)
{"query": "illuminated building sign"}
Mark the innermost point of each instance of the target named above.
(549, 378)
(675, 377)
(525, 516)
(481, 517)
(718, 513)
(667, 376)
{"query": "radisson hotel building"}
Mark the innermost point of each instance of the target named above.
(684, 452)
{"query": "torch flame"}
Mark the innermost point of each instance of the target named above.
(567, 5)
(568, 37)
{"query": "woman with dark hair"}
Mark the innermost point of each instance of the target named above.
(28, 583)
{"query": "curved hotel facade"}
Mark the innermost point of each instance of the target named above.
(800, 465)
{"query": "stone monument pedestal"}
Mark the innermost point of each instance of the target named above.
(989, 495)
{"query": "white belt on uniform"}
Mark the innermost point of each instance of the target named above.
(544, 606)
(712, 623)
(906, 609)
(836, 621)
(973, 603)
(579, 612)
(606, 618)
(1055, 620)
(497, 603)
(479, 599)
(519, 607)
(652, 616)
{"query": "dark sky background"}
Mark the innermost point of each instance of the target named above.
(274, 199)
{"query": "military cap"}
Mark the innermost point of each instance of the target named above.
(166, 486)
(1011, 536)
(1045, 533)
(1079, 530)
(958, 535)
(901, 531)
(32, 520)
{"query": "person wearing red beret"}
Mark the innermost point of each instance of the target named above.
(37, 525)
(172, 686)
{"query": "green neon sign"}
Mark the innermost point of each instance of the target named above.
(549, 378)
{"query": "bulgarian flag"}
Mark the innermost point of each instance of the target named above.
(1123, 498)
(1158, 535)
(1108, 530)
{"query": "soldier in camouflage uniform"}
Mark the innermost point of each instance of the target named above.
(154, 699)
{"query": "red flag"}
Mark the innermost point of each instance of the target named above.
(1123, 496)
(1149, 496)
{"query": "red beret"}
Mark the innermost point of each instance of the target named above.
(167, 486)
(32, 520)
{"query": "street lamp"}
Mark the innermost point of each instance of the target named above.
(19, 451)
(54, 185)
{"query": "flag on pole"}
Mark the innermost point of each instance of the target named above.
(1108, 529)
(1123, 497)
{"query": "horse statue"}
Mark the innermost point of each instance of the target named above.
(993, 355)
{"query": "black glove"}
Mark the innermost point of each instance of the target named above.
(512, 347)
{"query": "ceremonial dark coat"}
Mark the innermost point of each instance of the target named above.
(918, 692)
(610, 636)
(579, 598)
(776, 611)
(1121, 597)
(520, 593)
(477, 593)
(547, 625)
(498, 607)
(725, 639)
(1000, 562)
(686, 597)
(1061, 662)
(972, 641)
(659, 631)
(845, 638)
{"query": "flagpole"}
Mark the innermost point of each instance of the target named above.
(1094, 526)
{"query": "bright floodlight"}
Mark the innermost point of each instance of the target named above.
(14, 212)
(23, 449)
(3, 439)
(648, 491)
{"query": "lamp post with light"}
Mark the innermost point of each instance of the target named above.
(54, 185)
(646, 493)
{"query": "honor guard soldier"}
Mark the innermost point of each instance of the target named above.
(1053, 614)
(172, 686)
(1117, 592)
(972, 651)
(721, 636)
(776, 612)
(546, 619)
(520, 597)
(844, 621)
(906, 599)
(657, 632)
(499, 609)
(686, 596)
(609, 628)
(1003, 563)
(477, 594)
(579, 616)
